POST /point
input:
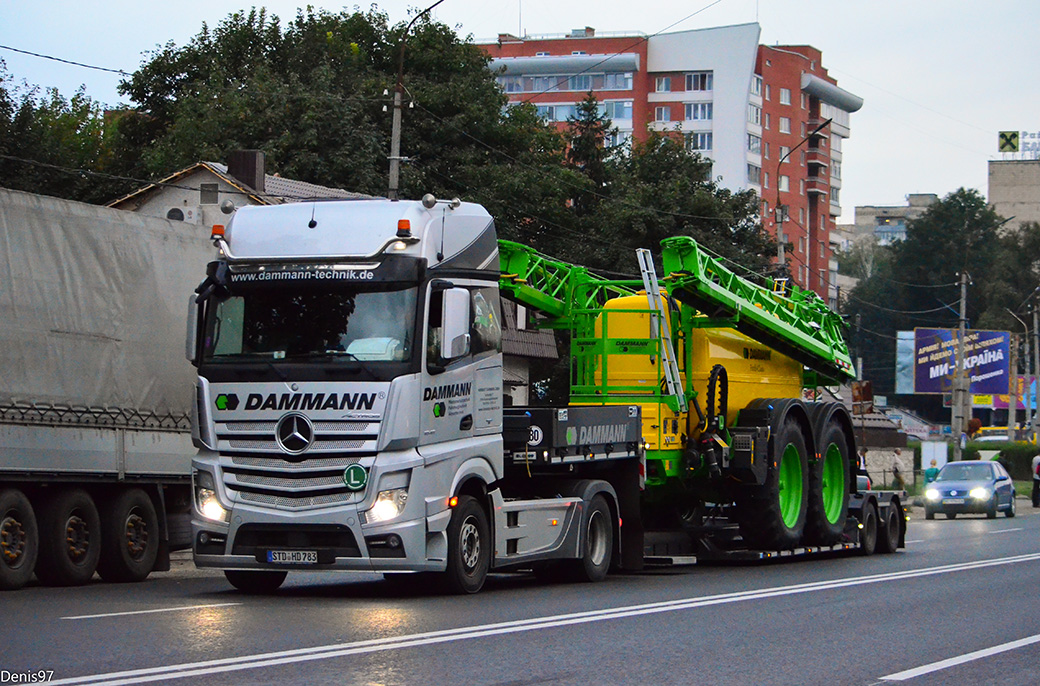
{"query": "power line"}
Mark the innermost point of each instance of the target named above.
(64, 61)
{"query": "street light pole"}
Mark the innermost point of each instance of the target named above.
(780, 211)
(395, 127)
(960, 375)
(1013, 388)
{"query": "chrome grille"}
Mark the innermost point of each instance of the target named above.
(282, 482)
(278, 463)
(318, 445)
(311, 501)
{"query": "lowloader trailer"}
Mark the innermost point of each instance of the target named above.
(349, 406)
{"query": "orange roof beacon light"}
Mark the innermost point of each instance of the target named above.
(404, 228)
(218, 232)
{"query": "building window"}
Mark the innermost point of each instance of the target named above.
(541, 54)
(801, 244)
(618, 81)
(618, 109)
(765, 180)
(578, 52)
(662, 114)
(823, 249)
(802, 274)
(754, 144)
(801, 186)
(511, 84)
(785, 183)
(784, 152)
(805, 101)
(835, 169)
(834, 196)
(698, 111)
(801, 216)
(699, 81)
(208, 193)
(754, 114)
(756, 85)
(769, 92)
(802, 153)
(664, 84)
(765, 150)
(698, 141)
(805, 131)
(581, 82)
(785, 125)
(765, 121)
(754, 174)
(785, 96)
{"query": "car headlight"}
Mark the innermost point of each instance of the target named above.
(932, 494)
(388, 505)
(206, 502)
(979, 493)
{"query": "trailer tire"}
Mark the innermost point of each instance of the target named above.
(19, 540)
(597, 543)
(868, 535)
(469, 547)
(70, 539)
(888, 535)
(828, 498)
(255, 582)
(129, 537)
(773, 517)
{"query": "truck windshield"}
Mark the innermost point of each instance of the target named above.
(345, 323)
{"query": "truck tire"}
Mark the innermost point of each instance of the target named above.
(773, 518)
(597, 543)
(469, 547)
(255, 582)
(888, 534)
(129, 537)
(828, 500)
(70, 539)
(19, 540)
(868, 535)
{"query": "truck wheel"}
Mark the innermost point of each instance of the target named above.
(129, 537)
(469, 547)
(774, 518)
(598, 543)
(868, 535)
(255, 582)
(19, 541)
(888, 536)
(828, 500)
(70, 539)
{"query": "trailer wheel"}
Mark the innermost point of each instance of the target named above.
(828, 500)
(70, 539)
(255, 582)
(469, 547)
(868, 535)
(597, 544)
(19, 540)
(129, 537)
(888, 536)
(774, 518)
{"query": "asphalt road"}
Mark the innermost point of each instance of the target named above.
(960, 605)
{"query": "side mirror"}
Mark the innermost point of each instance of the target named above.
(455, 318)
(190, 343)
(1002, 477)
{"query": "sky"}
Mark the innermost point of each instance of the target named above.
(939, 78)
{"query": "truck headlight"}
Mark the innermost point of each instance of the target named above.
(206, 502)
(979, 493)
(388, 505)
(932, 494)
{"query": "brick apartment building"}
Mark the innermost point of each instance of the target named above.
(742, 105)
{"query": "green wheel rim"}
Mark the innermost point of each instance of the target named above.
(790, 482)
(833, 486)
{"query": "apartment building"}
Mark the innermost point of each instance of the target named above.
(754, 111)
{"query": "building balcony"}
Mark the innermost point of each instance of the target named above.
(816, 186)
(815, 157)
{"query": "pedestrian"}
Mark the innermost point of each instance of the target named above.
(897, 478)
(1036, 480)
(931, 473)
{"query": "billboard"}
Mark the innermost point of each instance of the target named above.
(986, 356)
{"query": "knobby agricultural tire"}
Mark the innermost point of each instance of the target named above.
(129, 537)
(597, 543)
(888, 533)
(868, 535)
(255, 582)
(828, 498)
(469, 547)
(19, 540)
(773, 516)
(70, 539)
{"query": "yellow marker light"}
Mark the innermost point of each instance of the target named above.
(554, 522)
(453, 501)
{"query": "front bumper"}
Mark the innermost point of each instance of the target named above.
(966, 505)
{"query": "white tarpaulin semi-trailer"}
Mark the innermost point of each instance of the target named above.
(95, 397)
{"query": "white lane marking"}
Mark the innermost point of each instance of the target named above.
(148, 612)
(194, 669)
(1004, 531)
(961, 659)
(916, 540)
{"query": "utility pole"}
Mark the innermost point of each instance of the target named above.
(960, 387)
(1013, 388)
(1036, 370)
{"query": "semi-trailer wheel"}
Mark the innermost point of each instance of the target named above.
(255, 582)
(773, 518)
(868, 535)
(828, 498)
(888, 535)
(469, 547)
(70, 539)
(19, 540)
(598, 543)
(129, 537)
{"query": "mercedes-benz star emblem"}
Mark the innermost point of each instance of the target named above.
(294, 433)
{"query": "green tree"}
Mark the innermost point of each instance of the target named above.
(589, 134)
